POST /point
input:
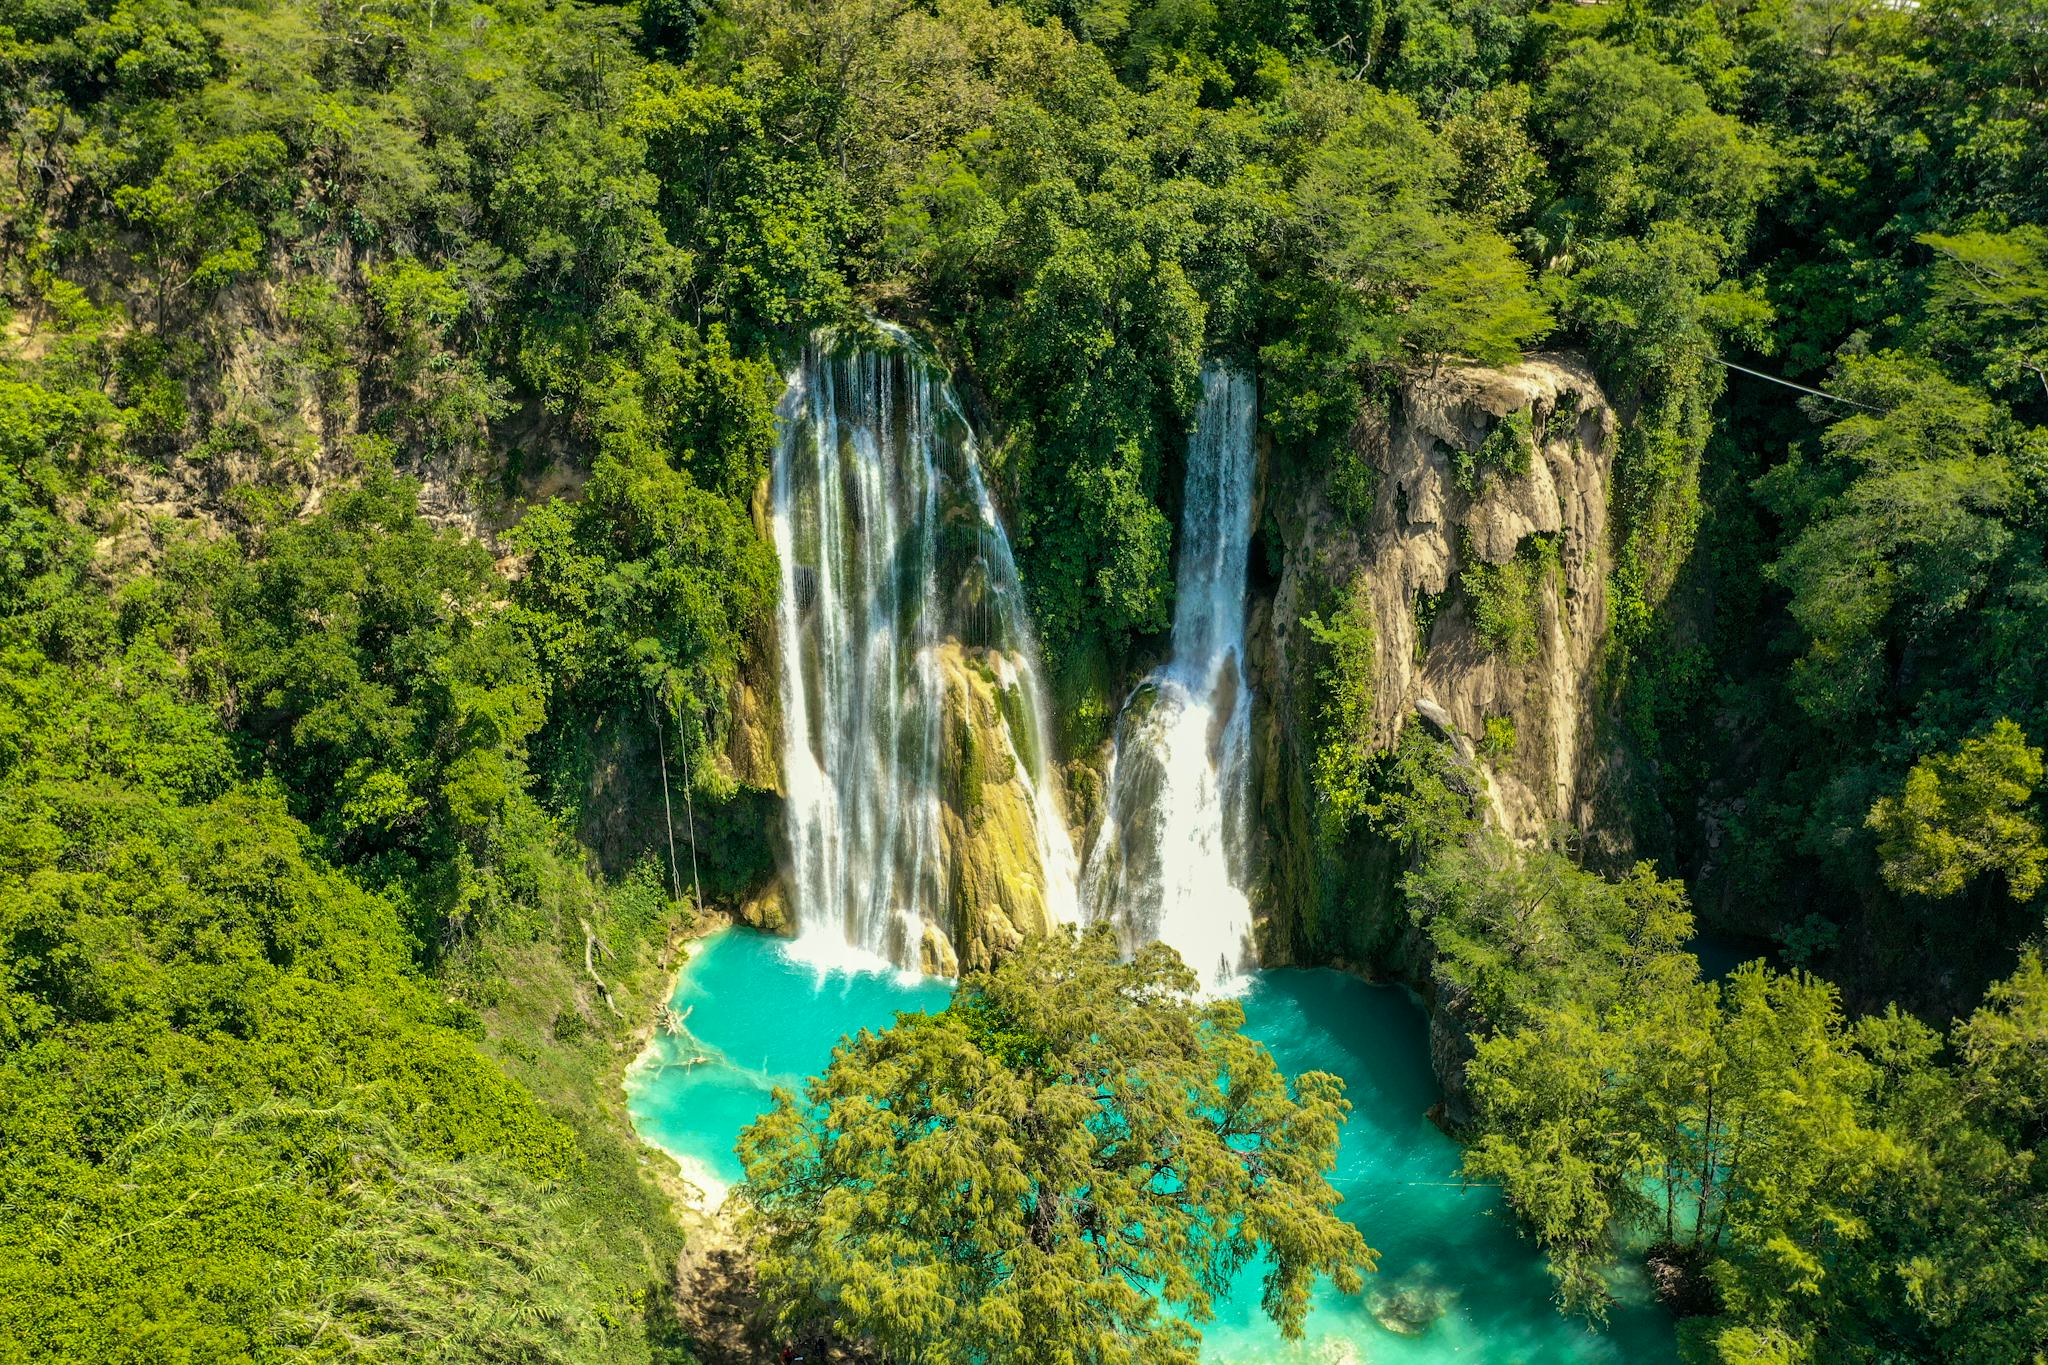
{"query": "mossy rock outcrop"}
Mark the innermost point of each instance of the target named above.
(988, 826)
(1491, 509)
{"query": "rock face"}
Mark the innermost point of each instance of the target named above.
(753, 749)
(995, 889)
(1484, 558)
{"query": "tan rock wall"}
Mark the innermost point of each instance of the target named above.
(1413, 549)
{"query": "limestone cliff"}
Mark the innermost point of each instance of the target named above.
(1484, 559)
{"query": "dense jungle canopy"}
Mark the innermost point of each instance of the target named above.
(386, 394)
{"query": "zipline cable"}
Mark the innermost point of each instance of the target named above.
(1818, 393)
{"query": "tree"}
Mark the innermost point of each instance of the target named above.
(1909, 519)
(1635, 143)
(1728, 1120)
(1418, 277)
(192, 217)
(1965, 813)
(1523, 930)
(1554, 1101)
(1990, 299)
(2004, 1048)
(1068, 1163)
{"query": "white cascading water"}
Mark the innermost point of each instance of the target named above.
(1168, 864)
(890, 550)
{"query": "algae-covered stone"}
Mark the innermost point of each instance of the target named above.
(768, 909)
(1408, 1311)
(988, 826)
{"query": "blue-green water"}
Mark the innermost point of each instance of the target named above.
(759, 1018)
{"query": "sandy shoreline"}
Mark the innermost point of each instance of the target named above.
(712, 1290)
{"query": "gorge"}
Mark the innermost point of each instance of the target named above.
(899, 589)
(1167, 669)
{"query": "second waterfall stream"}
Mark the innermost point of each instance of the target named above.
(1168, 864)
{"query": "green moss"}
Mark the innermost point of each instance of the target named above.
(1498, 743)
(1021, 723)
(973, 766)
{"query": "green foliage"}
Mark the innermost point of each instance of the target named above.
(1506, 451)
(1497, 744)
(1498, 164)
(1345, 676)
(1506, 600)
(649, 587)
(1073, 1159)
(1963, 814)
(196, 218)
(1896, 247)
(1416, 794)
(1519, 931)
(1808, 1185)
(1653, 313)
(1911, 534)
(1773, 1153)
(247, 786)
(1427, 605)
(2000, 1047)
(1719, 1117)
(221, 1072)
(1413, 277)
(1988, 305)
(254, 783)
(1636, 143)
(376, 669)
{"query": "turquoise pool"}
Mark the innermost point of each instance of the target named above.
(759, 1017)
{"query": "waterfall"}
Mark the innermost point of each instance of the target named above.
(896, 577)
(1168, 864)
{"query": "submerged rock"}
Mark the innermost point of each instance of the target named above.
(1407, 1312)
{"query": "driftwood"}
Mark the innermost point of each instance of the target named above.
(590, 945)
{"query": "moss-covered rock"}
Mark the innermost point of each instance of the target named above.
(767, 909)
(988, 827)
